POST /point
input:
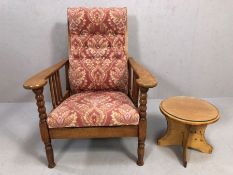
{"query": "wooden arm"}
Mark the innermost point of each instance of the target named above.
(39, 80)
(145, 78)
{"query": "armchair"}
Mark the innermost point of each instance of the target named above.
(103, 84)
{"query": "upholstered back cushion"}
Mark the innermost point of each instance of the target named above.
(98, 49)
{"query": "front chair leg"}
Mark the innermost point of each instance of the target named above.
(141, 150)
(142, 125)
(44, 127)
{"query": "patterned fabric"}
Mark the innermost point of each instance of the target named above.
(98, 49)
(94, 109)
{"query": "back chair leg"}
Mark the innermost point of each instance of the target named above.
(44, 131)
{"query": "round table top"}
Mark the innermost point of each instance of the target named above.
(189, 109)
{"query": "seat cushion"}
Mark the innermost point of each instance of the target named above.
(101, 108)
(98, 50)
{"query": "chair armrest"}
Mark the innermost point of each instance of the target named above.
(146, 79)
(39, 80)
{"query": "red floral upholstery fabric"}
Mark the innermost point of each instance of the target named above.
(98, 49)
(94, 109)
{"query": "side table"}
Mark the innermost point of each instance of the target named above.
(187, 119)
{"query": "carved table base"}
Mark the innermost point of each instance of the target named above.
(189, 136)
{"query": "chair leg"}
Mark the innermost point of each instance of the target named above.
(44, 131)
(48, 146)
(141, 150)
(49, 154)
(142, 126)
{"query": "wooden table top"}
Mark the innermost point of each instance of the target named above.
(189, 109)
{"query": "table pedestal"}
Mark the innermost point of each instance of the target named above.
(189, 136)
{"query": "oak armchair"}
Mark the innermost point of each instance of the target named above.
(103, 84)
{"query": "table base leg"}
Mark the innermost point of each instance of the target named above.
(188, 136)
(185, 144)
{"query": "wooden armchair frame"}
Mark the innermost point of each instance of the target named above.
(140, 80)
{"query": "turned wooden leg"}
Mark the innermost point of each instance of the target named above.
(141, 149)
(43, 127)
(142, 125)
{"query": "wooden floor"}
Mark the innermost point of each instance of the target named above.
(23, 153)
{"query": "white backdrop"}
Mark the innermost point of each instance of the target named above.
(187, 44)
